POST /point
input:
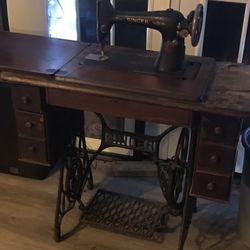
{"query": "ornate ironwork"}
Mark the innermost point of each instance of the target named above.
(172, 174)
(128, 215)
(174, 177)
(173, 26)
(122, 139)
(189, 201)
(75, 174)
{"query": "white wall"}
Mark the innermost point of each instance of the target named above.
(185, 6)
(28, 16)
(154, 37)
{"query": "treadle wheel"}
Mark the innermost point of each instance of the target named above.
(197, 25)
(173, 175)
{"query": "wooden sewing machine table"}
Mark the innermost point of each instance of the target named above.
(51, 72)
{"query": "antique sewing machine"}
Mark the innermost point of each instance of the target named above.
(172, 25)
(186, 77)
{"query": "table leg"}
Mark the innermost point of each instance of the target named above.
(186, 220)
(190, 202)
(75, 174)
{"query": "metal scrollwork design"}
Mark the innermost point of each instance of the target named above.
(173, 173)
(75, 175)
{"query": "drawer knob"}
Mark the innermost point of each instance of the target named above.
(25, 99)
(214, 159)
(32, 149)
(28, 125)
(210, 186)
(218, 130)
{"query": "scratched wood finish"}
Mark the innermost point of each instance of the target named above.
(231, 88)
(35, 54)
(120, 108)
(128, 69)
(229, 93)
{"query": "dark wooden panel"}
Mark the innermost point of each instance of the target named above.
(228, 96)
(210, 186)
(220, 129)
(215, 159)
(230, 91)
(35, 54)
(119, 107)
(132, 70)
(8, 142)
(8, 148)
(27, 98)
(31, 150)
(30, 124)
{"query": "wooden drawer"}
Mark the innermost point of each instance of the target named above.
(215, 158)
(31, 150)
(210, 186)
(26, 98)
(30, 124)
(119, 107)
(220, 129)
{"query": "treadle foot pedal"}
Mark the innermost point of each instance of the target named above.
(127, 215)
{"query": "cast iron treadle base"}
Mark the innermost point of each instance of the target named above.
(127, 215)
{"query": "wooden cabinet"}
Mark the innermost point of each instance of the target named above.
(31, 125)
(211, 186)
(33, 134)
(9, 143)
(215, 156)
(27, 98)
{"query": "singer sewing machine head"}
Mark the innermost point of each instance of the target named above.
(173, 26)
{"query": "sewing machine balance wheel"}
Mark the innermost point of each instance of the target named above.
(197, 25)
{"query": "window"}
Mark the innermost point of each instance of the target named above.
(227, 22)
(62, 19)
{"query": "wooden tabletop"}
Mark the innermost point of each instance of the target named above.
(35, 54)
(133, 70)
(30, 60)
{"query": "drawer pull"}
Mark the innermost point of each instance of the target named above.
(214, 159)
(218, 130)
(32, 149)
(28, 125)
(25, 99)
(210, 186)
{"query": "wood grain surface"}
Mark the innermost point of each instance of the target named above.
(35, 54)
(228, 94)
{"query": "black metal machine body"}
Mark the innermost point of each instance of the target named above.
(172, 25)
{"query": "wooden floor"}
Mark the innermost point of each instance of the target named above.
(27, 214)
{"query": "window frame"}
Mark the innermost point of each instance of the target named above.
(199, 48)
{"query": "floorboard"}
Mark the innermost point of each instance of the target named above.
(27, 209)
